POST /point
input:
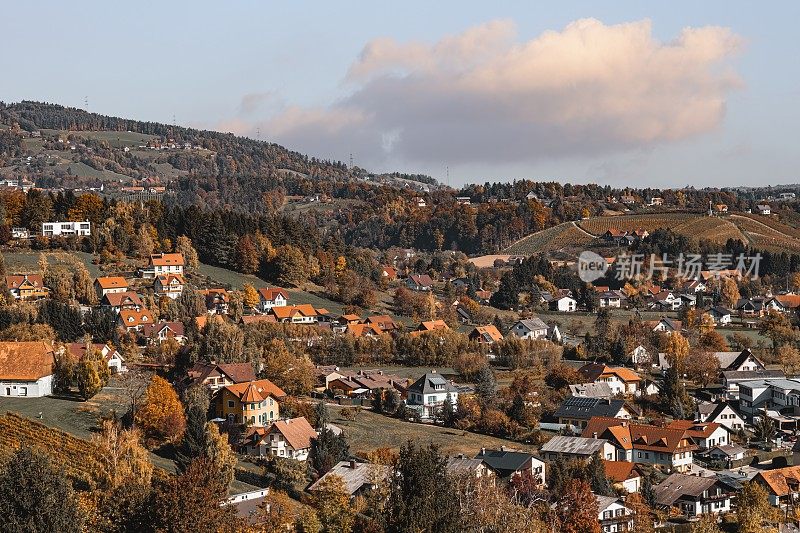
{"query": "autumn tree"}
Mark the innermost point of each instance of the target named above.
(596, 472)
(35, 495)
(777, 327)
(753, 508)
(278, 512)
(706, 524)
(642, 514)
(677, 349)
(332, 502)
(292, 373)
(702, 366)
(183, 246)
(246, 255)
(160, 416)
(789, 359)
(122, 456)
(576, 509)
(250, 295)
(291, 265)
(729, 292)
(91, 372)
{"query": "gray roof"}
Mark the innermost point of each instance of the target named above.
(504, 462)
(573, 445)
(586, 408)
(676, 485)
(427, 383)
(355, 475)
(533, 323)
(729, 449)
(463, 465)
(604, 502)
(592, 390)
(752, 375)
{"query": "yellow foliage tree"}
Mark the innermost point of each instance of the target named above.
(160, 417)
(250, 295)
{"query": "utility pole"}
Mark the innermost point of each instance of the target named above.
(86, 102)
(447, 171)
(351, 160)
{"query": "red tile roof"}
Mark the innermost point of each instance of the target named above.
(112, 282)
(26, 361)
(297, 432)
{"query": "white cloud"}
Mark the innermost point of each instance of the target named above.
(482, 96)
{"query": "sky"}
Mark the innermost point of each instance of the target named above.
(623, 93)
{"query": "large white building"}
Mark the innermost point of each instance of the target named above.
(54, 229)
(428, 394)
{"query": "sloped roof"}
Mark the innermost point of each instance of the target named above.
(533, 324)
(776, 480)
(586, 408)
(489, 333)
(14, 281)
(695, 429)
(363, 330)
(154, 329)
(355, 475)
(426, 384)
(591, 390)
(504, 462)
(263, 386)
(297, 432)
(573, 445)
(26, 361)
(422, 280)
(166, 279)
(640, 436)
(677, 485)
(132, 317)
(593, 371)
(288, 311)
(619, 471)
(270, 294)
(173, 259)
(116, 299)
(432, 325)
(111, 282)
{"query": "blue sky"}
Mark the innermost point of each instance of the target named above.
(420, 103)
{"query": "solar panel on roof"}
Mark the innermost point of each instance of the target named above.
(437, 380)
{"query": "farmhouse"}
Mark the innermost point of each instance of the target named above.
(26, 286)
(215, 376)
(485, 334)
(117, 301)
(26, 369)
(419, 282)
(271, 297)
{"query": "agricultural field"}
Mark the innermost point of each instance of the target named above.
(714, 229)
(551, 239)
(27, 262)
(76, 457)
(650, 222)
(363, 434)
(768, 234)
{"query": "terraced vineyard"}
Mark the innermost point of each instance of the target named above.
(713, 229)
(763, 233)
(551, 239)
(77, 458)
(649, 222)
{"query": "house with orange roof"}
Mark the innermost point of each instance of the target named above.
(384, 322)
(214, 376)
(669, 448)
(26, 369)
(295, 314)
(169, 285)
(135, 320)
(117, 301)
(782, 484)
(364, 330)
(705, 434)
(164, 263)
(488, 334)
(254, 403)
(289, 438)
(389, 273)
(621, 380)
(109, 285)
(350, 318)
(26, 286)
(271, 297)
(112, 357)
(623, 475)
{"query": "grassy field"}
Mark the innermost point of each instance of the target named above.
(370, 431)
(28, 261)
(551, 239)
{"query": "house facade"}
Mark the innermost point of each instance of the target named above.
(169, 285)
(26, 286)
(26, 369)
(55, 229)
(109, 285)
(254, 403)
(531, 328)
(290, 438)
(272, 297)
(428, 394)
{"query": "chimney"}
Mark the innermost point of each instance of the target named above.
(502, 448)
(483, 451)
(352, 464)
(433, 371)
(594, 435)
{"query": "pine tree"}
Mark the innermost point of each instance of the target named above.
(648, 492)
(193, 444)
(486, 386)
(448, 411)
(327, 450)
(596, 472)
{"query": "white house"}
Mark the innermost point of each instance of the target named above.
(694, 496)
(565, 304)
(54, 229)
(530, 328)
(764, 209)
(290, 438)
(610, 299)
(169, 285)
(269, 298)
(623, 475)
(621, 380)
(164, 264)
(110, 285)
(428, 394)
(419, 282)
(112, 357)
(720, 413)
(613, 515)
(721, 315)
(26, 369)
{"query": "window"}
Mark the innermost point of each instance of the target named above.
(23, 391)
(230, 404)
(640, 454)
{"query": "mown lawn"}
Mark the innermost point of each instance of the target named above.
(27, 261)
(370, 431)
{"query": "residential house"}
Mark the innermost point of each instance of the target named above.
(611, 299)
(727, 453)
(164, 263)
(430, 325)
(591, 390)
(667, 325)
(721, 315)
(720, 413)
(419, 282)
(614, 235)
(160, 332)
(134, 320)
(117, 301)
(790, 302)
(563, 304)
(359, 478)
(295, 314)
(55, 229)
(694, 496)
(459, 465)
(272, 297)
(640, 356)
(428, 394)
(773, 398)
(388, 273)
(214, 376)
(290, 438)
(576, 411)
(255, 403)
(113, 358)
(613, 515)
(705, 434)
(217, 300)
(580, 448)
(509, 463)
(109, 285)
(764, 209)
(364, 330)
(26, 369)
(26, 286)
(169, 285)
(644, 443)
(782, 484)
(621, 380)
(530, 328)
(384, 322)
(485, 334)
(623, 475)
(655, 201)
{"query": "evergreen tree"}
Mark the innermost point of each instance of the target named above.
(321, 414)
(596, 472)
(507, 295)
(675, 396)
(193, 443)
(486, 385)
(518, 411)
(421, 492)
(448, 414)
(35, 496)
(392, 402)
(327, 450)
(647, 490)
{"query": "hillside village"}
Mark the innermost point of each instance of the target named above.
(263, 369)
